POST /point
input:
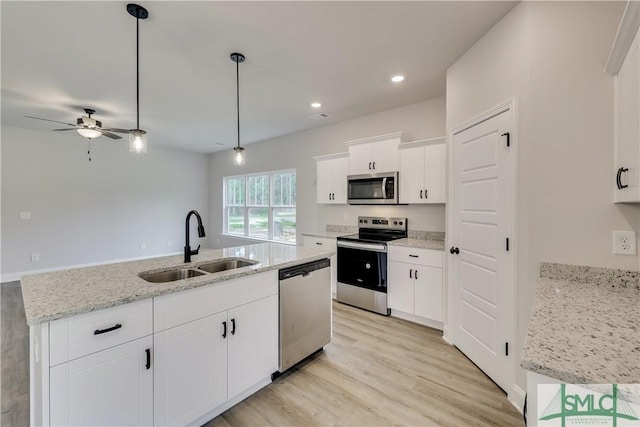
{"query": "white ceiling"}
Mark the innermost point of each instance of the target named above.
(61, 57)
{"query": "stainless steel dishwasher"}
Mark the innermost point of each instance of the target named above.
(305, 311)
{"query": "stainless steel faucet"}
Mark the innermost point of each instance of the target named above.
(187, 249)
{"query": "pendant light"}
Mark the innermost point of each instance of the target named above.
(238, 152)
(137, 137)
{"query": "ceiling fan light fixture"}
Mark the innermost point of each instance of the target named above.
(89, 133)
(138, 141)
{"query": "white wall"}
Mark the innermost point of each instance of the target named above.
(551, 57)
(416, 121)
(90, 212)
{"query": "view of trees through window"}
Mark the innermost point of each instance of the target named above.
(261, 206)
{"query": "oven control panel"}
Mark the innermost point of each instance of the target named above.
(382, 223)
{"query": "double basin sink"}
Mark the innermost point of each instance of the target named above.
(199, 270)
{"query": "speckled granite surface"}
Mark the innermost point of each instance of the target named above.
(60, 294)
(419, 243)
(326, 234)
(342, 229)
(584, 329)
(426, 235)
(596, 275)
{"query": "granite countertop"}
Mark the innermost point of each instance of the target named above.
(327, 234)
(585, 326)
(60, 294)
(419, 243)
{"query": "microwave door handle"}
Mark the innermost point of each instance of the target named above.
(384, 188)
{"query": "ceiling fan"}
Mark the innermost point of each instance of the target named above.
(87, 126)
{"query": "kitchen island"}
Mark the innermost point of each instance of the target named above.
(108, 347)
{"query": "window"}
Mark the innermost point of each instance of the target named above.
(261, 206)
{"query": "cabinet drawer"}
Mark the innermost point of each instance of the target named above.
(320, 242)
(428, 257)
(182, 307)
(83, 334)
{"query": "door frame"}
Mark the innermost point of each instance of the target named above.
(514, 393)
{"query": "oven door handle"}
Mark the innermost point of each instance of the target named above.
(364, 246)
(384, 188)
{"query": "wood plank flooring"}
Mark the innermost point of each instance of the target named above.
(377, 371)
(14, 362)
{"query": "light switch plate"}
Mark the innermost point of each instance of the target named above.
(624, 242)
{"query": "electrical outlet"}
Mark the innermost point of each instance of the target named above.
(143, 245)
(624, 242)
(35, 257)
(25, 215)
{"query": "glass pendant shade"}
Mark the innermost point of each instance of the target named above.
(238, 156)
(89, 133)
(137, 141)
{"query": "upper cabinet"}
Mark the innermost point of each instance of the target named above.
(624, 62)
(422, 171)
(377, 154)
(331, 174)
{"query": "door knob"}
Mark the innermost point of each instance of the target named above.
(454, 250)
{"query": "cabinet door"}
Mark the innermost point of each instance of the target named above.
(252, 344)
(110, 387)
(361, 159)
(385, 155)
(400, 287)
(435, 157)
(428, 292)
(412, 183)
(627, 129)
(324, 179)
(190, 370)
(339, 180)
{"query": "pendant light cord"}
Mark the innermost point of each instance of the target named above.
(238, 98)
(137, 73)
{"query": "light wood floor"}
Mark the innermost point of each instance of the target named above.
(377, 371)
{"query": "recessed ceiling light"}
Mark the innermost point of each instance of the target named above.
(316, 105)
(397, 78)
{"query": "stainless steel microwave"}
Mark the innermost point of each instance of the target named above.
(373, 189)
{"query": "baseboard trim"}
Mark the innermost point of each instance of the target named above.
(12, 277)
(516, 397)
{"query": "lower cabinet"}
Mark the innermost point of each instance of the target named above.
(111, 387)
(178, 359)
(204, 363)
(415, 283)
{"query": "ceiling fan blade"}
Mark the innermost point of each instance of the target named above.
(110, 135)
(116, 130)
(66, 129)
(47, 120)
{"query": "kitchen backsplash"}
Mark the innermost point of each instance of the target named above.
(412, 234)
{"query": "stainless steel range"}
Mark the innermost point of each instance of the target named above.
(362, 262)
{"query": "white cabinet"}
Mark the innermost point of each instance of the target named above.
(327, 243)
(627, 127)
(374, 155)
(422, 171)
(212, 344)
(331, 174)
(204, 363)
(99, 367)
(415, 284)
(111, 387)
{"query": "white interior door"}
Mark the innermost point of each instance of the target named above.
(482, 222)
